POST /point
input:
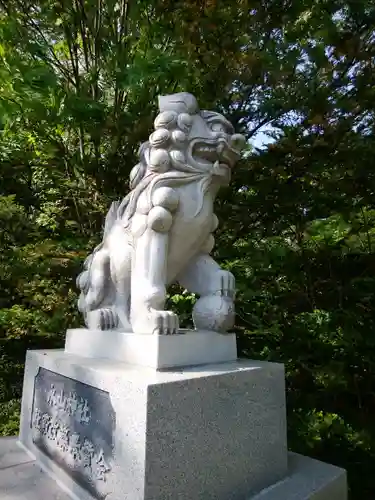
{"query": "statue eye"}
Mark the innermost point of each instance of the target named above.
(218, 127)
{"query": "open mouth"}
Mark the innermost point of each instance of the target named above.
(206, 154)
(209, 154)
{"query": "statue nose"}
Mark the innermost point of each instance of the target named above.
(237, 141)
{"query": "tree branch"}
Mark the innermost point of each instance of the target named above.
(55, 61)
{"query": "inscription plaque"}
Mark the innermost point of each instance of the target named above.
(73, 424)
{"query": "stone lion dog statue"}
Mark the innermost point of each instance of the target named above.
(162, 231)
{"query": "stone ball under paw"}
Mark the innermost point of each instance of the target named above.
(214, 312)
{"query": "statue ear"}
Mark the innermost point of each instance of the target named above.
(182, 102)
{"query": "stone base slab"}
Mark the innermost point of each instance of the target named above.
(21, 478)
(105, 429)
(308, 479)
(188, 348)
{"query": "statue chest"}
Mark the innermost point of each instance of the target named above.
(194, 215)
(189, 232)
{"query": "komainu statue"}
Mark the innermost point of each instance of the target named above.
(162, 231)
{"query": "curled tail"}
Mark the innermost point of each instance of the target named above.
(92, 280)
(110, 218)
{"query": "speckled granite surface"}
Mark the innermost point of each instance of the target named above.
(22, 479)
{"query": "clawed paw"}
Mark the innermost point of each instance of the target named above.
(154, 321)
(102, 319)
(108, 319)
(165, 322)
(227, 284)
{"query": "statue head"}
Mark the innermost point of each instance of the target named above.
(189, 140)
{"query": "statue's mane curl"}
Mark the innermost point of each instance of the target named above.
(143, 179)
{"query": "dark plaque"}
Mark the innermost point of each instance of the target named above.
(73, 423)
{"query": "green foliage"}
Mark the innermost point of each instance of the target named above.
(79, 82)
(10, 417)
(182, 303)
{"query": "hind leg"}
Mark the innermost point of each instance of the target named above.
(111, 276)
(120, 272)
(96, 292)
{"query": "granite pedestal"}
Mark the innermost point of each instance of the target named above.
(214, 432)
(22, 478)
(106, 429)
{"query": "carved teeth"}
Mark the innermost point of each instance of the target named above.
(220, 148)
(207, 153)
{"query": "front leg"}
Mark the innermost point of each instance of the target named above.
(214, 310)
(149, 274)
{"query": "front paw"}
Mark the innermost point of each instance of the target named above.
(102, 319)
(227, 284)
(165, 323)
(155, 322)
